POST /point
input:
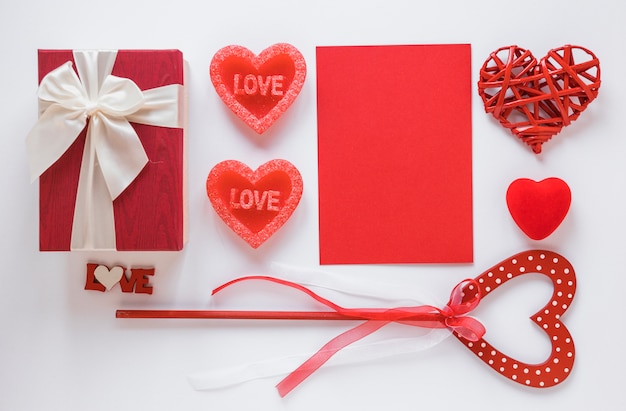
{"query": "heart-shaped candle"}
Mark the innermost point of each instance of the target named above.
(254, 204)
(535, 100)
(538, 208)
(258, 89)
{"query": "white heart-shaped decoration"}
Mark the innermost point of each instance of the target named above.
(108, 278)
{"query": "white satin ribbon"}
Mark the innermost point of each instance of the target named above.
(113, 155)
(403, 342)
(275, 367)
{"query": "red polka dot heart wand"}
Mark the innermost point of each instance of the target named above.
(469, 331)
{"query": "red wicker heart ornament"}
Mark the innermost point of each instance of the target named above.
(535, 100)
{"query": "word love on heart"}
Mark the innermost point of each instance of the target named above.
(252, 85)
(249, 198)
(254, 204)
(102, 278)
(258, 89)
(535, 100)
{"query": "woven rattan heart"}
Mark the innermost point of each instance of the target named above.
(535, 100)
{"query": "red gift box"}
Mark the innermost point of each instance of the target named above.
(148, 213)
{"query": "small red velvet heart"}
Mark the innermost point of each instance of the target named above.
(535, 100)
(258, 89)
(254, 204)
(538, 208)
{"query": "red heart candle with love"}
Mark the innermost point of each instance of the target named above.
(535, 100)
(254, 204)
(258, 89)
(538, 208)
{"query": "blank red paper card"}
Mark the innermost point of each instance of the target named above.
(395, 154)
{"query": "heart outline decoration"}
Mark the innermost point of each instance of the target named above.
(251, 230)
(108, 277)
(538, 207)
(535, 100)
(275, 55)
(557, 367)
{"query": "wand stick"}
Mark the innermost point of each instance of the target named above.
(360, 314)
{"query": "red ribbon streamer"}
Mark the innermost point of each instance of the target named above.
(463, 299)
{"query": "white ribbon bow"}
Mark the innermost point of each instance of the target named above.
(113, 155)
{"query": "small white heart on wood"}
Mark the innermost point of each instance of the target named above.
(108, 278)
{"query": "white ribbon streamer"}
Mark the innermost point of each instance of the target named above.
(359, 352)
(113, 155)
(275, 367)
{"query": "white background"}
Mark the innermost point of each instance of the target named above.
(61, 347)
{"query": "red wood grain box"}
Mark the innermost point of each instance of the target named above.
(148, 212)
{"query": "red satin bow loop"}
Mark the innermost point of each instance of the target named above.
(464, 298)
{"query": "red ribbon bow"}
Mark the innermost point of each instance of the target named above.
(463, 299)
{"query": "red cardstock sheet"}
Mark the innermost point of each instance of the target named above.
(395, 154)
